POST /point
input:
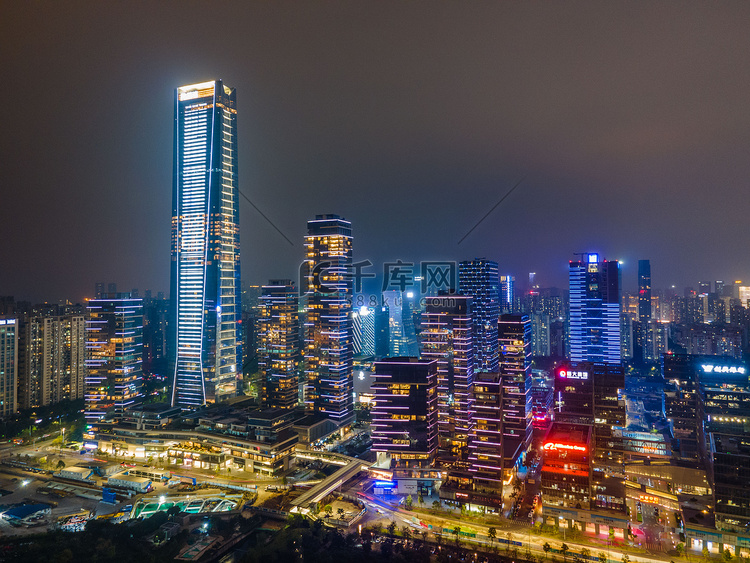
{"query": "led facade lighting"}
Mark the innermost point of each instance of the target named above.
(205, 246)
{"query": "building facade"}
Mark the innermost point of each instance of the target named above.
(8, 366)
(279, 351)
(205, 284)
(479, 279)
(327, 298)
(447, 337)
(594, 310)
(404, 417)
(114, 354)
(514, 333)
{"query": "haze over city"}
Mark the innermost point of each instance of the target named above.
(627, 124)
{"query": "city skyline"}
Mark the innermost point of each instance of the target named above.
(448, 110)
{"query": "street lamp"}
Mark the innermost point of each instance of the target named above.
(62, 444)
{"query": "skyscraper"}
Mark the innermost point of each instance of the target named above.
(447, 337)
(514, 334)
(328, 292)
(507, 293)
(8, 366)
(644, 291)
(205, 288)
(595, 310)
(479, 279)
(404, 418)
(278, 344)
(114, 345)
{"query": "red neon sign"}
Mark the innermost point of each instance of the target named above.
(560, 446)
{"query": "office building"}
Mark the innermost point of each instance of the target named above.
(205, 273)
(486, 440)
(479, 279)
(566, 472)
(114, 347)
(594, 310)
(447, 337)
(402, 332)
(404, 415)
(328, 295)
(514, 334)
(508, 292)
(278, 344)
(644, 291)
(8, 366)
(363, 331)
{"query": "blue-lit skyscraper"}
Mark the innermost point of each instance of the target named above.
(205, 288)
(507, 293)
(595, 310)
(479, 279)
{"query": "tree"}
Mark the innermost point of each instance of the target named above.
(680, 549)
(706, 554)
(406, 532)
(492, 534)
(436, 504)
(457, 532)
(726, 555)
(585, 553)
(61, 464)
(420, 500)
(340, 512)
(409, 502)
(611, 534)
(565, 549)
(602, 555)
(625, 558)
(328, 509)
(392, 528)
(546, 547)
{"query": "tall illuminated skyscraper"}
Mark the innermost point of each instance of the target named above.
(327, 301)
(278, 344)
(205, 289)
(479, 279)
(447, 336)
(595, 310)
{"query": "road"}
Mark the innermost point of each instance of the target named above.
(382, 514)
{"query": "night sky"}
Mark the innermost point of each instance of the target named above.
(628, 122)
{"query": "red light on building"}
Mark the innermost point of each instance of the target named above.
(560, 446)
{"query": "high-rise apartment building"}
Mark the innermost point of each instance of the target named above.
(404, 416)
(479, 279)
(205, 282)
(114, 346)
(8, 366)
(278, 344)
(514, 334)
(328, 383)
(363, 331)
(54, 354)
(447, 336)
(594, 310)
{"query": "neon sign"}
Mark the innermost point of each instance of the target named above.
(385, 484)
(710, 368)
(570, 374)
(560, 446)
